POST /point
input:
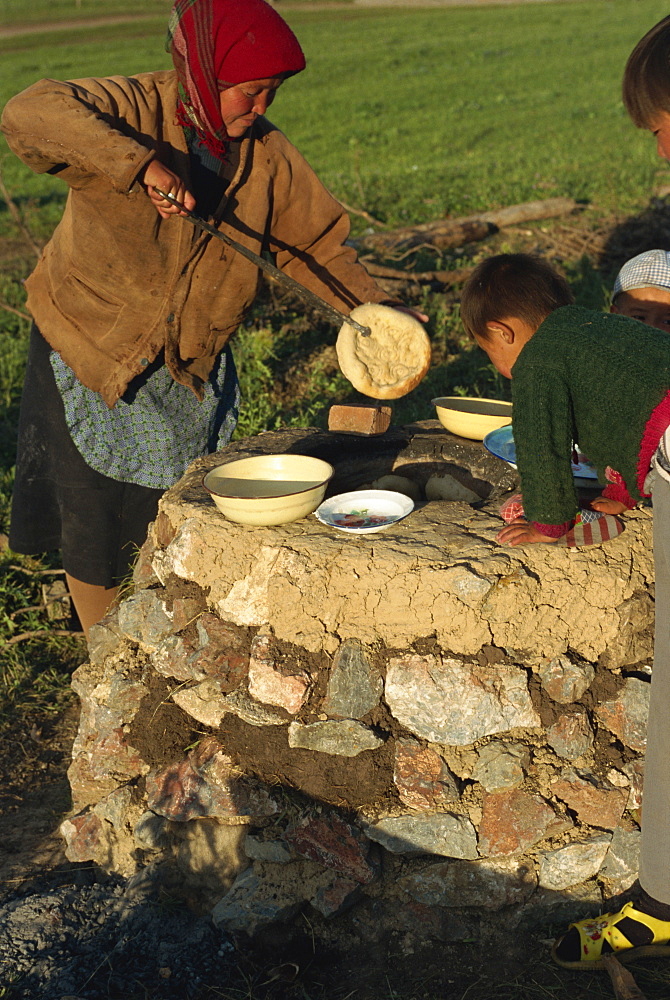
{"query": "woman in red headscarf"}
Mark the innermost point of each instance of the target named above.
(130, 376)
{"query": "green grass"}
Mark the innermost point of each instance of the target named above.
(412, 114)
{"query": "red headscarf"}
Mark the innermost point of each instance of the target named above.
(230, 41)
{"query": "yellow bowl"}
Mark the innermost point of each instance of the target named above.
(470, 417)
(268, 489)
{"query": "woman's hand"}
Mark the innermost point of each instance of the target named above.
(606, 506)
(521, 532)
(421, 317)
(157, 175)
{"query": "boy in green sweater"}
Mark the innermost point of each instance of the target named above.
(603, 380)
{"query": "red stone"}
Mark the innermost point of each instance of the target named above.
(513, 820)
(335, 844)
(421, 776)
(222, 655)
(595, 802)
(82, 835)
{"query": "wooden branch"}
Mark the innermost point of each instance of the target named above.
(625, 987)
(422, 277)
(18, 219)
(42, 633)
(444, 233)
(17, 312)
(359, 211)
(37, 572)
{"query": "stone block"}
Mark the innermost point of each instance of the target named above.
(333, 843)
(563, 680)
(205, 703)
(501, 765)
(626, 715)
(221, 653)
(571, 735)
(342, 739)
(185, 611)
(240, 704)
(103, 641)
(144, 618)
(253, 902)
(444, 700)
(440, 833)
(336, 897)
(354, 686)
(634, 771)
(488, 884)
(269, 684)
(621, 864)
(595, 801)
(573, 864)
(359, 418)
(421, 777)
(151, 831)
(84, 836)
(207, 784)
(274, 851)
(514, 820)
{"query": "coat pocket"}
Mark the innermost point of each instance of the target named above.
(94, 311)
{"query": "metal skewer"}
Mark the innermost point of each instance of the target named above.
(333, 314)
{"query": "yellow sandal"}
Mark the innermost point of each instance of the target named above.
(598, 934)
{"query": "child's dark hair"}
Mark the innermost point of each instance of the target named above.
(646, 78)
(512, 284)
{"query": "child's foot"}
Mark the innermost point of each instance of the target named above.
(631, 933)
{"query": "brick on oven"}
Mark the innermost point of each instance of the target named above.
(359, 418)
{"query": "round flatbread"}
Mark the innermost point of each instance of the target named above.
(392, 360)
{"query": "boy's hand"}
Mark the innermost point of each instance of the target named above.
(157, 175)
(520, 532)
(606, 506)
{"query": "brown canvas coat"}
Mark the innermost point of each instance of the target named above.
(116, 284)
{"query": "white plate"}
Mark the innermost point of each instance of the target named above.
(364, 511)
(501, 444)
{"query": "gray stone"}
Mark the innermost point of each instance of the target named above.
(354, 687)
(487, 884)
(622, 860)
(559, 908)
(573, 864)
(501, 765)
(441, 833)
(626, 715)
(634, 771)
(274, 851)
(571, 735)
(240, 704)
(252, 903)
(151, 831)
(103, 641)
(342, 739)
(449, 701)
(337, 896)
(144, 618)
(171, 659)
(563, 680)
(114, 807)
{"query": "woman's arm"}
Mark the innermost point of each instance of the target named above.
(80, 128)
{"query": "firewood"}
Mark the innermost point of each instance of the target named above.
(625, 987)
(445, 233)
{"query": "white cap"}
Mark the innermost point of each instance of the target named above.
(650, 269)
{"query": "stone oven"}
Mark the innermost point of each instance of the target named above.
(403, 732)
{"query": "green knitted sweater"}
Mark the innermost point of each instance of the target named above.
(588, 377)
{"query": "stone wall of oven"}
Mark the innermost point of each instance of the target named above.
(406, 732)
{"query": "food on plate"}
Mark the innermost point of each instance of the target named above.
(392, 360)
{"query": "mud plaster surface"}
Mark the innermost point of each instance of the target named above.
(440, 573)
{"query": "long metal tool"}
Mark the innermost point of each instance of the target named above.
(333, 314)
